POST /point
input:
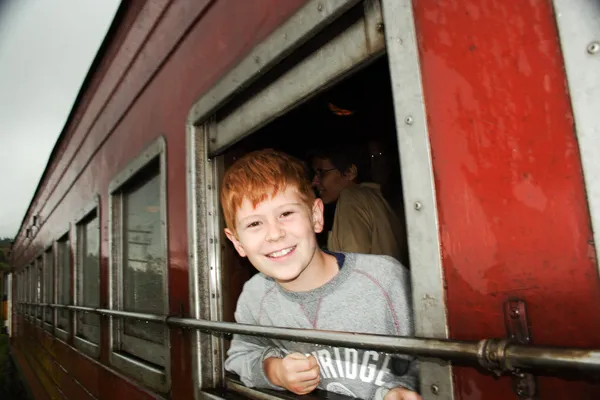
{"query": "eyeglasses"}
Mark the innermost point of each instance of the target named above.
(319, 173)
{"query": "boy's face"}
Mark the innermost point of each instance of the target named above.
(278, 236)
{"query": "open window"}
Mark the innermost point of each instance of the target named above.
(87, 280)
(63, 286)
(347, 76)
(139, 266)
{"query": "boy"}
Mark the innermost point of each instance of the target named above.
(272, 218)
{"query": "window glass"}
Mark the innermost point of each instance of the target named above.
(88, 277)
(63, 281)
(49, 285)
(39, 275)
(144, 258)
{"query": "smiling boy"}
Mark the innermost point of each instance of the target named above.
(272, 218)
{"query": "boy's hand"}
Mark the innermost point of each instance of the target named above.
(402, 394)
(296, 372)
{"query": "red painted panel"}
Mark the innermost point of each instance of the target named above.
(512, 206)
(37, 390)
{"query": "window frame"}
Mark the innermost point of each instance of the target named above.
(59, 331)
(49, 280)
(149, 370)
(90, 347)
(204, 141)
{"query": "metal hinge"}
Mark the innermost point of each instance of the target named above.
(517, 329)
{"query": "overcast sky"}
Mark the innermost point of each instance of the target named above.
(46, 49)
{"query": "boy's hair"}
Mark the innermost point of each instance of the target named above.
(260, 175)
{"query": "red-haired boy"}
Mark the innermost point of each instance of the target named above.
(272, 218)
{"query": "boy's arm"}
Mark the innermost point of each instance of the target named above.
(404, 368)
(247, 353)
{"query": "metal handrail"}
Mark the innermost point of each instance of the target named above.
(496, 355)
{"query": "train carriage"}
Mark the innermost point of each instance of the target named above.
(479, 115)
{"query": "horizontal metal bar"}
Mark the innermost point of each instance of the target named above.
(446, 349)
(132, 315)
(521, 356)
(499, 355)
(83, 309)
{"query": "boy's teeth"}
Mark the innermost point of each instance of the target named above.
(281, 253)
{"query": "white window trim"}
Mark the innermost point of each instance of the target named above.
(156, 376)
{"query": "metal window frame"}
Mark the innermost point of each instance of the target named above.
(205, 138)
(49, 280)
(89, 342)
(157, 377)
(62, 330)
(429, 297)
(578, 25)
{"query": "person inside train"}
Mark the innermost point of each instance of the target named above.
(363, 222)
(272, 217)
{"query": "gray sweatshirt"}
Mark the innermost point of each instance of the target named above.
(370, 294)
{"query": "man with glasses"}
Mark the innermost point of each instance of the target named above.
(363, 222)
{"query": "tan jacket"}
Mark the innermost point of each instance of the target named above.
(365, 223)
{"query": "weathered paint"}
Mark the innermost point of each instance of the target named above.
(512, 206)
(171, 54)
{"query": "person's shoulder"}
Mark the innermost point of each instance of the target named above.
(255, 289)
(383, 268)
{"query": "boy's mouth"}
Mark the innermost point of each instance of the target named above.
(281, 253)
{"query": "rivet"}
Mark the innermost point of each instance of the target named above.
(435, 389)
(593, 47)
(380, 27)
(211, 240)
(418, 205)
(257, 59)
(409, 120)
(320, 7)
(213, 296)
(514, 313)
(209, 187)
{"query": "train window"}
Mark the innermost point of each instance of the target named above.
(63, 285)
(139, 266)
(29, 289)
(49, 286)
(39, 288)
(87, 278)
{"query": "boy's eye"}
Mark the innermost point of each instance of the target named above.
(287, 214)
(253, 224)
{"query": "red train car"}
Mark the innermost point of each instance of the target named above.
(481, 119)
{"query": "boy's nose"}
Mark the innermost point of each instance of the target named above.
(275, 232)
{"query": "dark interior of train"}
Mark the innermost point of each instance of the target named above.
(358, 111)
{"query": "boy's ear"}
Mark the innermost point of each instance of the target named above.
(317, 215)
(236, 242)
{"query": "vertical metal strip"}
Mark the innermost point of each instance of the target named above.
(419, 191)
(196, 250)
(203, 255)
(578, 24)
